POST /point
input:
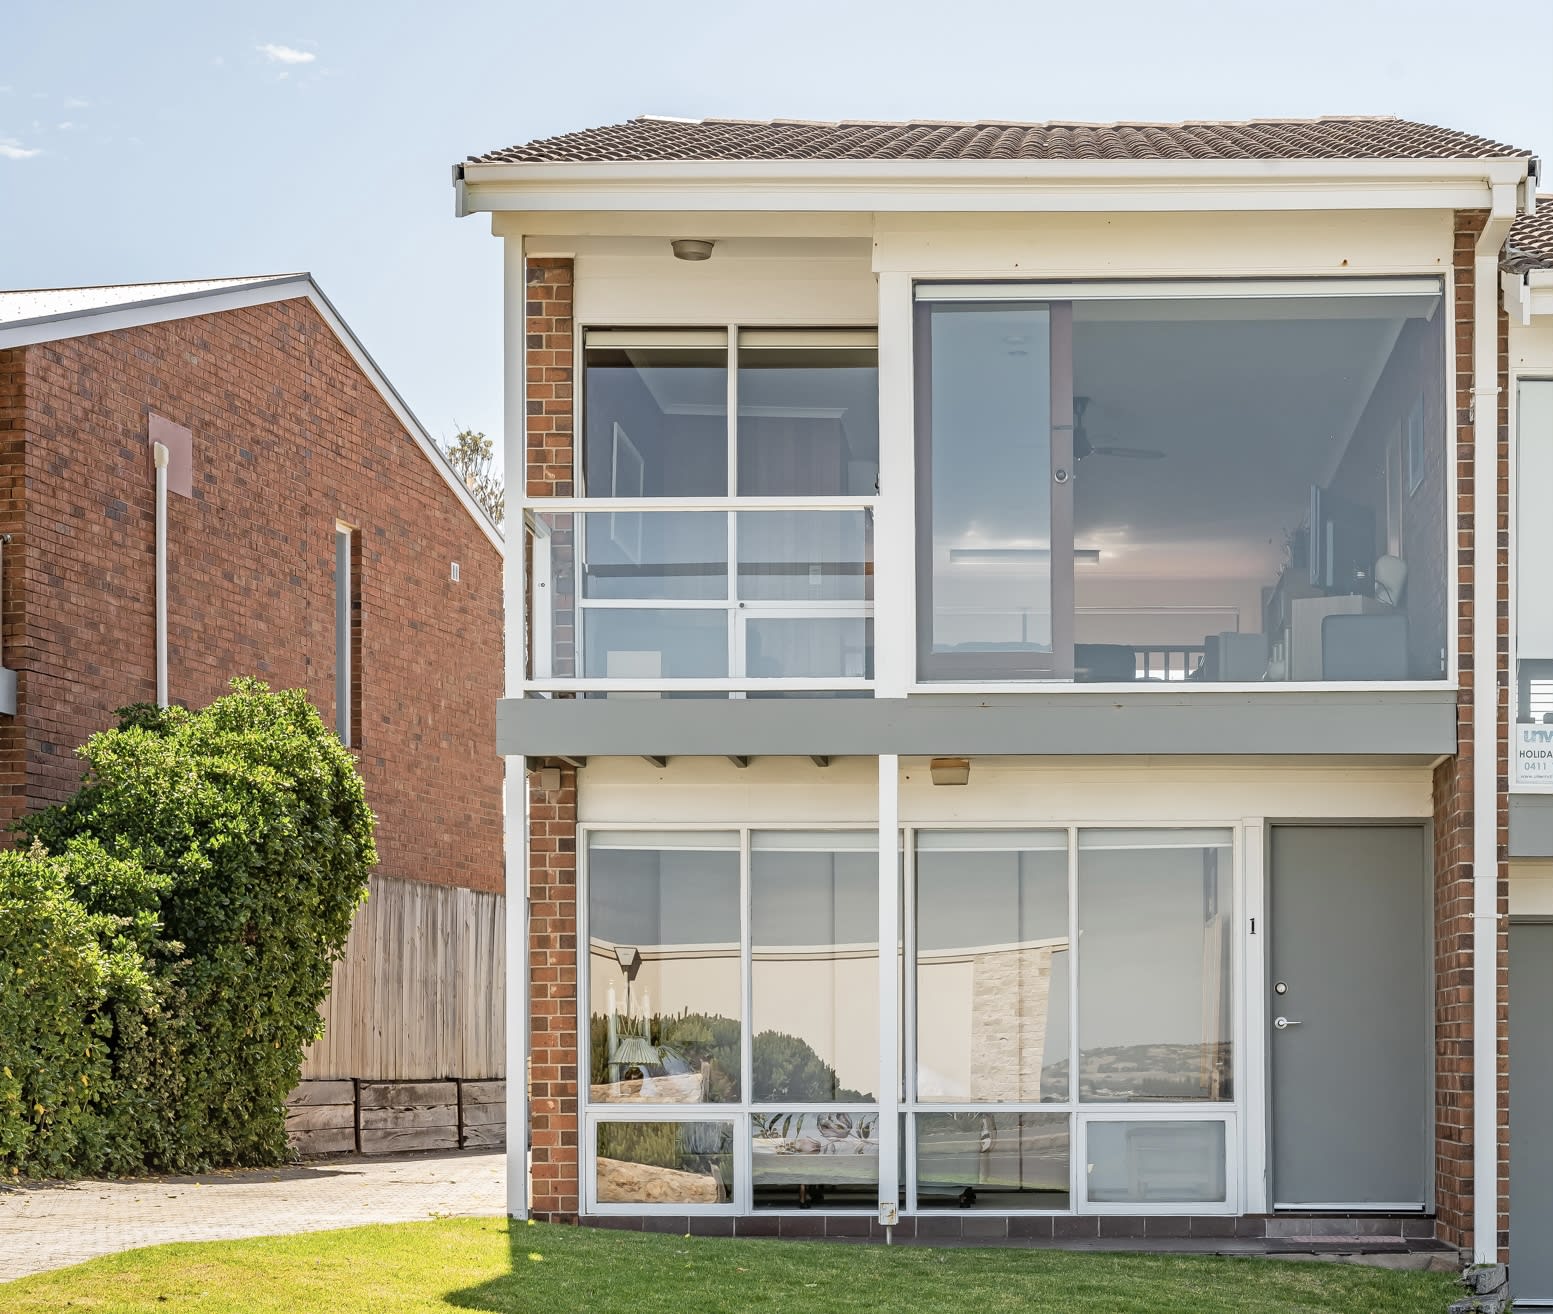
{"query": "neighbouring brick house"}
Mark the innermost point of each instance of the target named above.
(315, 538)
(1080, 555)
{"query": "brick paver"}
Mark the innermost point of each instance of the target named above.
(44, 1226)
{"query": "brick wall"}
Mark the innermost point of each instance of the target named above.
(553, 814)
(553, 998)
(289, 436)
(13, 458)
(1454, 802)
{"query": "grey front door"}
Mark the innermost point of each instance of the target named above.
(1348, 1017)
(1531, 1111)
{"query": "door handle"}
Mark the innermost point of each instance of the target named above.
(1282, 1022)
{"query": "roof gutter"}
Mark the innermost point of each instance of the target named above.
(985, 185)
(1507, 200)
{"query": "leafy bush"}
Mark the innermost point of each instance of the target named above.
(64, 973)
(226, 849)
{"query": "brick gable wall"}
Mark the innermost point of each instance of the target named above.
(289, 437)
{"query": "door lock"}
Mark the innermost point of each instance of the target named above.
(1282, 1022)
(1061, 476)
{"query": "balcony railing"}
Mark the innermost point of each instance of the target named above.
(700, 597)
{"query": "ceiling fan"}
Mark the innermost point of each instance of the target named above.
(1082, 447)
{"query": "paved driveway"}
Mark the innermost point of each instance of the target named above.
(50, 1226)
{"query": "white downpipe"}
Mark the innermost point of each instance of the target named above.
(159, 455)
(1485, 725)
(515, 793)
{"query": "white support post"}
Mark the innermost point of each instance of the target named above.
(895, 643)
(515, 791)
(889, 988)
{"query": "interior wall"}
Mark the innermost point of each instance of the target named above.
(1412, 373)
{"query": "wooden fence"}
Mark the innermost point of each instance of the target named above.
(419, 995)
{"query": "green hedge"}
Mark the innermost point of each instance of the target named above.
(181, 915)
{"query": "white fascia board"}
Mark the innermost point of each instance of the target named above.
(990, 185)
(80, 324)
(1539, 286)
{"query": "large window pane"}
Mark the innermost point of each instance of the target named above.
(1260, 489)
(663, 967)
(656, 422)
(814, 928)
(808, 421)
(1156, 1162)
(1155, 972)
(828, 1160)
(680, 1163)
(992, 1160)
(986, 474)
(992, 965)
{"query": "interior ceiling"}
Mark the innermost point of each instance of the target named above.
(1248, 415)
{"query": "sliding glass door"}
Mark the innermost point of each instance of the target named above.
(994, 513)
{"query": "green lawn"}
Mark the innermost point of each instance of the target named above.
(472, 1264)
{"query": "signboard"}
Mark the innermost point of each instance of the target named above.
(1534, 755)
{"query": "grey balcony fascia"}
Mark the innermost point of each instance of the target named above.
(1412, 723)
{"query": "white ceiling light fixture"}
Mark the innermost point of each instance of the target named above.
(692, 248)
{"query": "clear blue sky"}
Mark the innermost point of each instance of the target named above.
(146, 139)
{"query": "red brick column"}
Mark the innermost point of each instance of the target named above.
(13, 484)
(1453, 793)
(553, 1070)
(553, 997)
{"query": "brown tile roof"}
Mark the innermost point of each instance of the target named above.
(1530, 244)
(1354, 138)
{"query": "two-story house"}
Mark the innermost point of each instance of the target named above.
(1007, 678)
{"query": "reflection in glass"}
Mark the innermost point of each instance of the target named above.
(1154, 990)
(1156, 1162)
(992, 965)
(808, 421)
(814, 927)
(663, 967)
(809, 646)
(804, 556)
(829, 1160)
(992, 1160)
(988, 476)
(656, 422)
(686, 1163)
(647, 643)
(655, 554)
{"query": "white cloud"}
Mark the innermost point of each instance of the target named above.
(11, 149)
(75, 102)
(286, 54)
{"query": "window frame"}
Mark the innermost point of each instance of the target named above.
(946, 284)
(1248, 1050)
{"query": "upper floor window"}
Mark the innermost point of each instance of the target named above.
(804, 407)
(771, 592)
(1219, 482)
(1533, 599)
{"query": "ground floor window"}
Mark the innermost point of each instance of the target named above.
(1066, 1026)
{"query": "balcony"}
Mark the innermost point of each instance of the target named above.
(712, 597)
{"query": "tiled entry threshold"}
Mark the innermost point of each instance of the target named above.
(1390, 1241)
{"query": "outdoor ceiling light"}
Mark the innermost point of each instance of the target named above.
(692, 248)
(950, 770)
